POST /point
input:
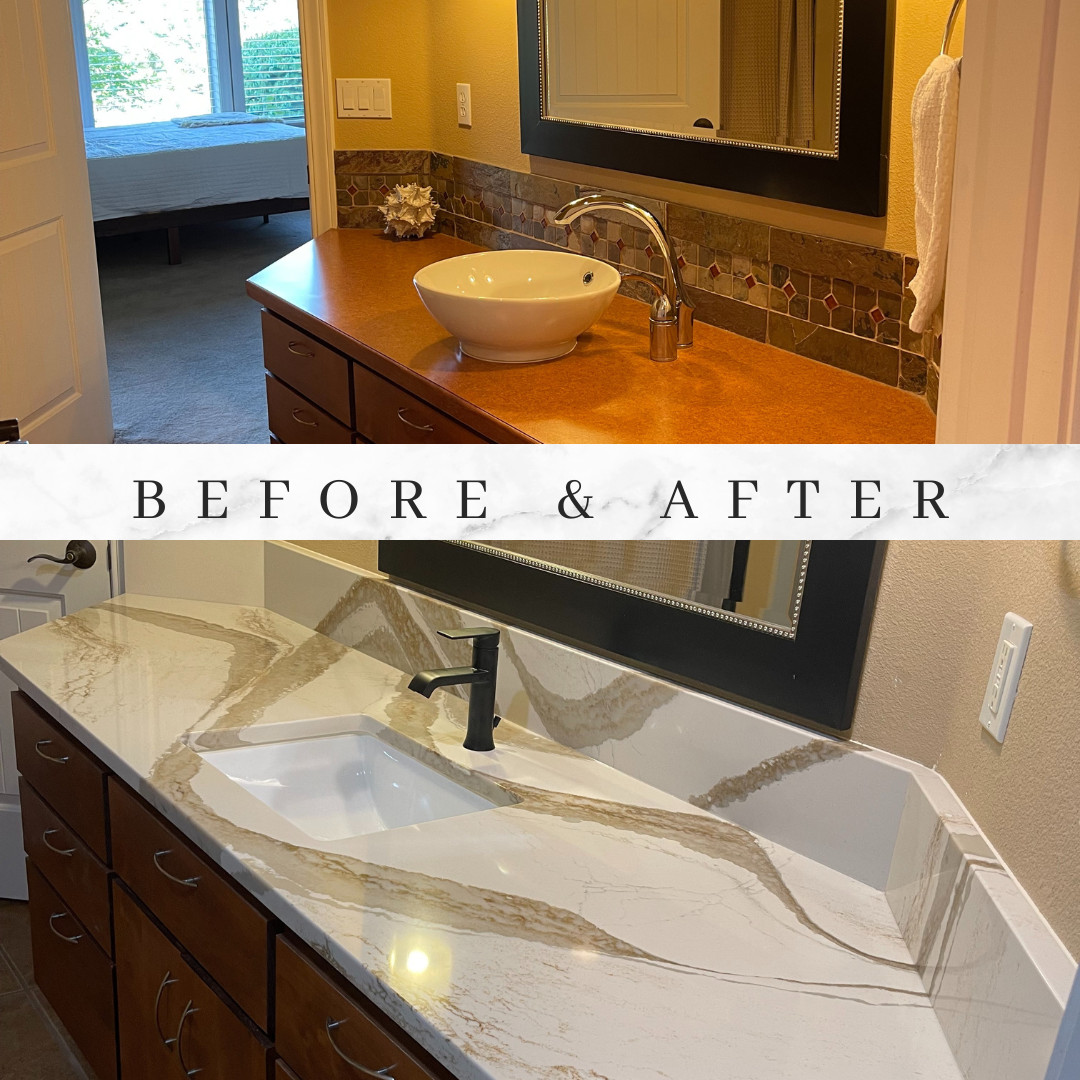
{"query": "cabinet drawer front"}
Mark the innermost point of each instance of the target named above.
(307, 365)
(387, 414)
(225, 933)
(74, 975)
(70, 867)
(62, 772)
(295, 420)
(318, 1028)
(171, 1021)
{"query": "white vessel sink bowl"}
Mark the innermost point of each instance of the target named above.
(518, 307)
(340, 786)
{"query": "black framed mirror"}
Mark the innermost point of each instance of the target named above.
(785, 630)
(788, 99)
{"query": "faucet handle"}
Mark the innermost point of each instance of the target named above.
(475, 633)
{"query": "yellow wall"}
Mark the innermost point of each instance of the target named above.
(933, 640)
(427, 47)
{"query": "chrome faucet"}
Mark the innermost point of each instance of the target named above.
(482, 675)
(671, 322)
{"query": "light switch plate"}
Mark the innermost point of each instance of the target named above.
(359, 99)
(1005, 675)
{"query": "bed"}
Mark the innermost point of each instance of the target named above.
(163, 176)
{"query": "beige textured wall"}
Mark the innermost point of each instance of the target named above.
(933, 639)
(932, 644)
(439, 43)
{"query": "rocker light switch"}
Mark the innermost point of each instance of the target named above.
(364, 99)
(1005, 675)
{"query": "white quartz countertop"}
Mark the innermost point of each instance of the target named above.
(593, 929)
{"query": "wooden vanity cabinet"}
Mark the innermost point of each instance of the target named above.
(169, 1016)
(315, 394)
(74, 974)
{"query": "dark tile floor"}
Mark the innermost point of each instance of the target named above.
(33, 1043)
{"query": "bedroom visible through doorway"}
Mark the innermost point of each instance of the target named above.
(193, 116)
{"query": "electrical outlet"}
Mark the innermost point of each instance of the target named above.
(364, 99)
(464, 104)
(1004, 678)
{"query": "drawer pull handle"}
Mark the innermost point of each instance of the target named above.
(419, 427)
(380, 1074)
(48, 757)
(59, 851)
(188, 1011)
(296, 415)
(167, 981)
(190, 882)
(294, 347)
(74, 939)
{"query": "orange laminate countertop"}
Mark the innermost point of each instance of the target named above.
(353, 289)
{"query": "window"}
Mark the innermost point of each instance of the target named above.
(142, 61)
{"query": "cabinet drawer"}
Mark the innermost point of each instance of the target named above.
(293, 419)
(387, 414)
(171, 1021)
(70, 867)
(62, 772)
(319, 1028)
(307, 365)
(197, 903)
(74, 975)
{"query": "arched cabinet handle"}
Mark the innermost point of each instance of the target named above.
(167, 980)
(48, 757)
(298, 416)
(190, 882)
(417, 427)
(73, 939)
(189, 1010)
(59, 851)
(375, 1074)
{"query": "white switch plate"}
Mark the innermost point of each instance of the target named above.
(1004, 678)
(464, 104)
(364, 99)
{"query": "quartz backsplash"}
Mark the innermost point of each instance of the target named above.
(836, 302)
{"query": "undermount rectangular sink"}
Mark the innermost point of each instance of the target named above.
(340, 786)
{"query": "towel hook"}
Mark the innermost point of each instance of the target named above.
(949, 26)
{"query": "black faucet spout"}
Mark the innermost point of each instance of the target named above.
(482, 676)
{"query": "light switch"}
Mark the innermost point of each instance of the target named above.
(1005, 675)
(364, 99)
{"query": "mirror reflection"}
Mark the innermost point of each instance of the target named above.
(755, 582)
(761, 72)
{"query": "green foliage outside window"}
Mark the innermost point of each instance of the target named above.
(272, 80)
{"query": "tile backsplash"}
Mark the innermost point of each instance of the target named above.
(836, 302)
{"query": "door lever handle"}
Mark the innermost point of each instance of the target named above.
(80, 553)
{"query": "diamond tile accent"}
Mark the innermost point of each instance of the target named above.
(569, 231)
(544, 222)
(502, 210)
(385, 190)
(649, 251)
(621, 243)
(877, 315)
(750, 280)
(682, 263)
(790, 290)
(831, 302)
(523, 217)
(594, 236)
(714, 271)
(352, 189)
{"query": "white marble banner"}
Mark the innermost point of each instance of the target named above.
(537, 492)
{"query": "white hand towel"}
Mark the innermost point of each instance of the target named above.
(933, 122)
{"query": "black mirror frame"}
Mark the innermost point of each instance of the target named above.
(811, 680)
(856, 182)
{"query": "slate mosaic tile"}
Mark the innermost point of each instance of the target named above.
(868, 266)
(845, 351)
(843, 318)
(737, 235)
(913, 373)
(932, 379)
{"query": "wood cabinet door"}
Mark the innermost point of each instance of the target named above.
(171, 1021)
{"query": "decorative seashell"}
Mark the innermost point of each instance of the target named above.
(409, 211)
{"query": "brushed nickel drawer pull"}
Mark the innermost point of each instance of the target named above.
(74, 939)
(59, 851)
(167, 981)
(294, 347)
(190, 882)
(188, 1011)
(380, 1074)
(48, 757)
(419, 427)
(300, 420)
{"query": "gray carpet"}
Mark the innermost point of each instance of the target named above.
(184, 344)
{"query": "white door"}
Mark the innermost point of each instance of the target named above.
(32, 594)
(53, 377)
(653, 64)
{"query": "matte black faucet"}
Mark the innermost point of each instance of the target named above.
(482, 675)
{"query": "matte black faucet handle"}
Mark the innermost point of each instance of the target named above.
(475, 633)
